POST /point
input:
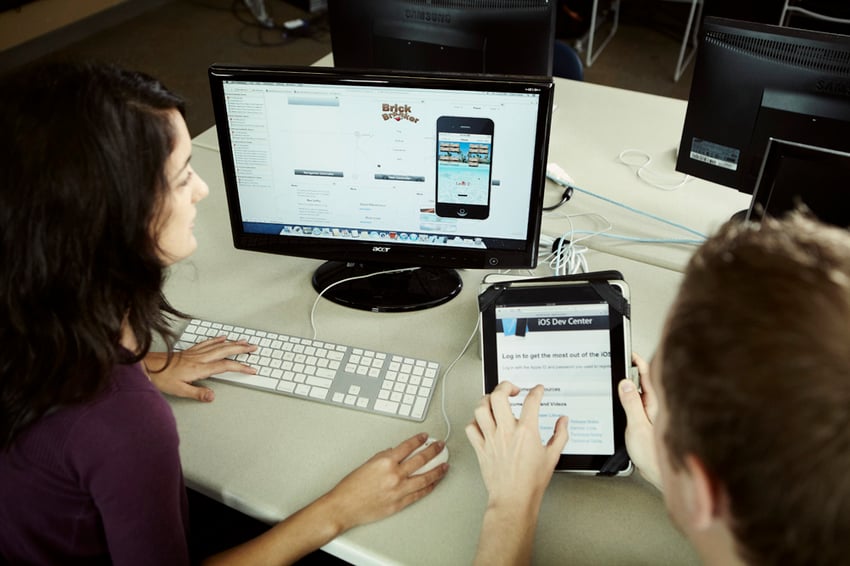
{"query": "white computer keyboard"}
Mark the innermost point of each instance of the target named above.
(357, 378)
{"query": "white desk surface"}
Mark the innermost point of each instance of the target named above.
(591, 126)
(268, 455)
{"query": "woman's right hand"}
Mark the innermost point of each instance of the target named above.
(384, 484)
(380, 487)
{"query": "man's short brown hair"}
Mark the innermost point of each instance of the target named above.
(756, 379)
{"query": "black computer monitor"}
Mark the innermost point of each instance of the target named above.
(753, 82)
(381, 171)
(795, 175)
(466, 36)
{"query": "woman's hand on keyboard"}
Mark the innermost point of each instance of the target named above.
(384, 484)
(198, 362)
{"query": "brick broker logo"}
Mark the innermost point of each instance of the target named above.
(397, 112)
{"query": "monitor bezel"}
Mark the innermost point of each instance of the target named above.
(369, 252)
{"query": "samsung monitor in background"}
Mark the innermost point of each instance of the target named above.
(375, 172)
(753, 82)
(464, 36)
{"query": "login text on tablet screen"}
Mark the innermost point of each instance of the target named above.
(567, 348)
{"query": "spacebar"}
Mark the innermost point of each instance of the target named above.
(247, 379)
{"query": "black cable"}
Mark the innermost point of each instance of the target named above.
(568, 194)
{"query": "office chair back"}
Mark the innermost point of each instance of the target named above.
(566, 62)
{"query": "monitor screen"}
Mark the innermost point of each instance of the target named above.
(753, 82)
(469, 36)
(381, 171)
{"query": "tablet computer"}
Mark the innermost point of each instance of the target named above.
(571, 334)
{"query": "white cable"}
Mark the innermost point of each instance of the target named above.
(565, 260)
(642, 169)
(448, 369)
(644, 240)
(556, 174)
(559, 255)
(569, 257)
(334, 284)
(446, 376)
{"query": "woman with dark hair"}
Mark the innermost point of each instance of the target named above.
(97, 199)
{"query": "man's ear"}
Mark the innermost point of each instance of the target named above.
(706, 499)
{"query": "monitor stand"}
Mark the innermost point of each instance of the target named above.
(403, 291)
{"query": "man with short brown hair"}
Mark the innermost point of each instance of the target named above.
(744, 420)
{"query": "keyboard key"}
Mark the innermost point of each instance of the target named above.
(319, 382)
(318, 393)
(302, 389)
(419, 407)
(386, 406)
(253, 380)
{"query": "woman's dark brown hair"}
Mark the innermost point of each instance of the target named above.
(82, 163)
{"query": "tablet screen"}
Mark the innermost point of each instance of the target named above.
(567, 348)
(574, 343)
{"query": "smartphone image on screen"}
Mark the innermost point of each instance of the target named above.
(464, 167)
